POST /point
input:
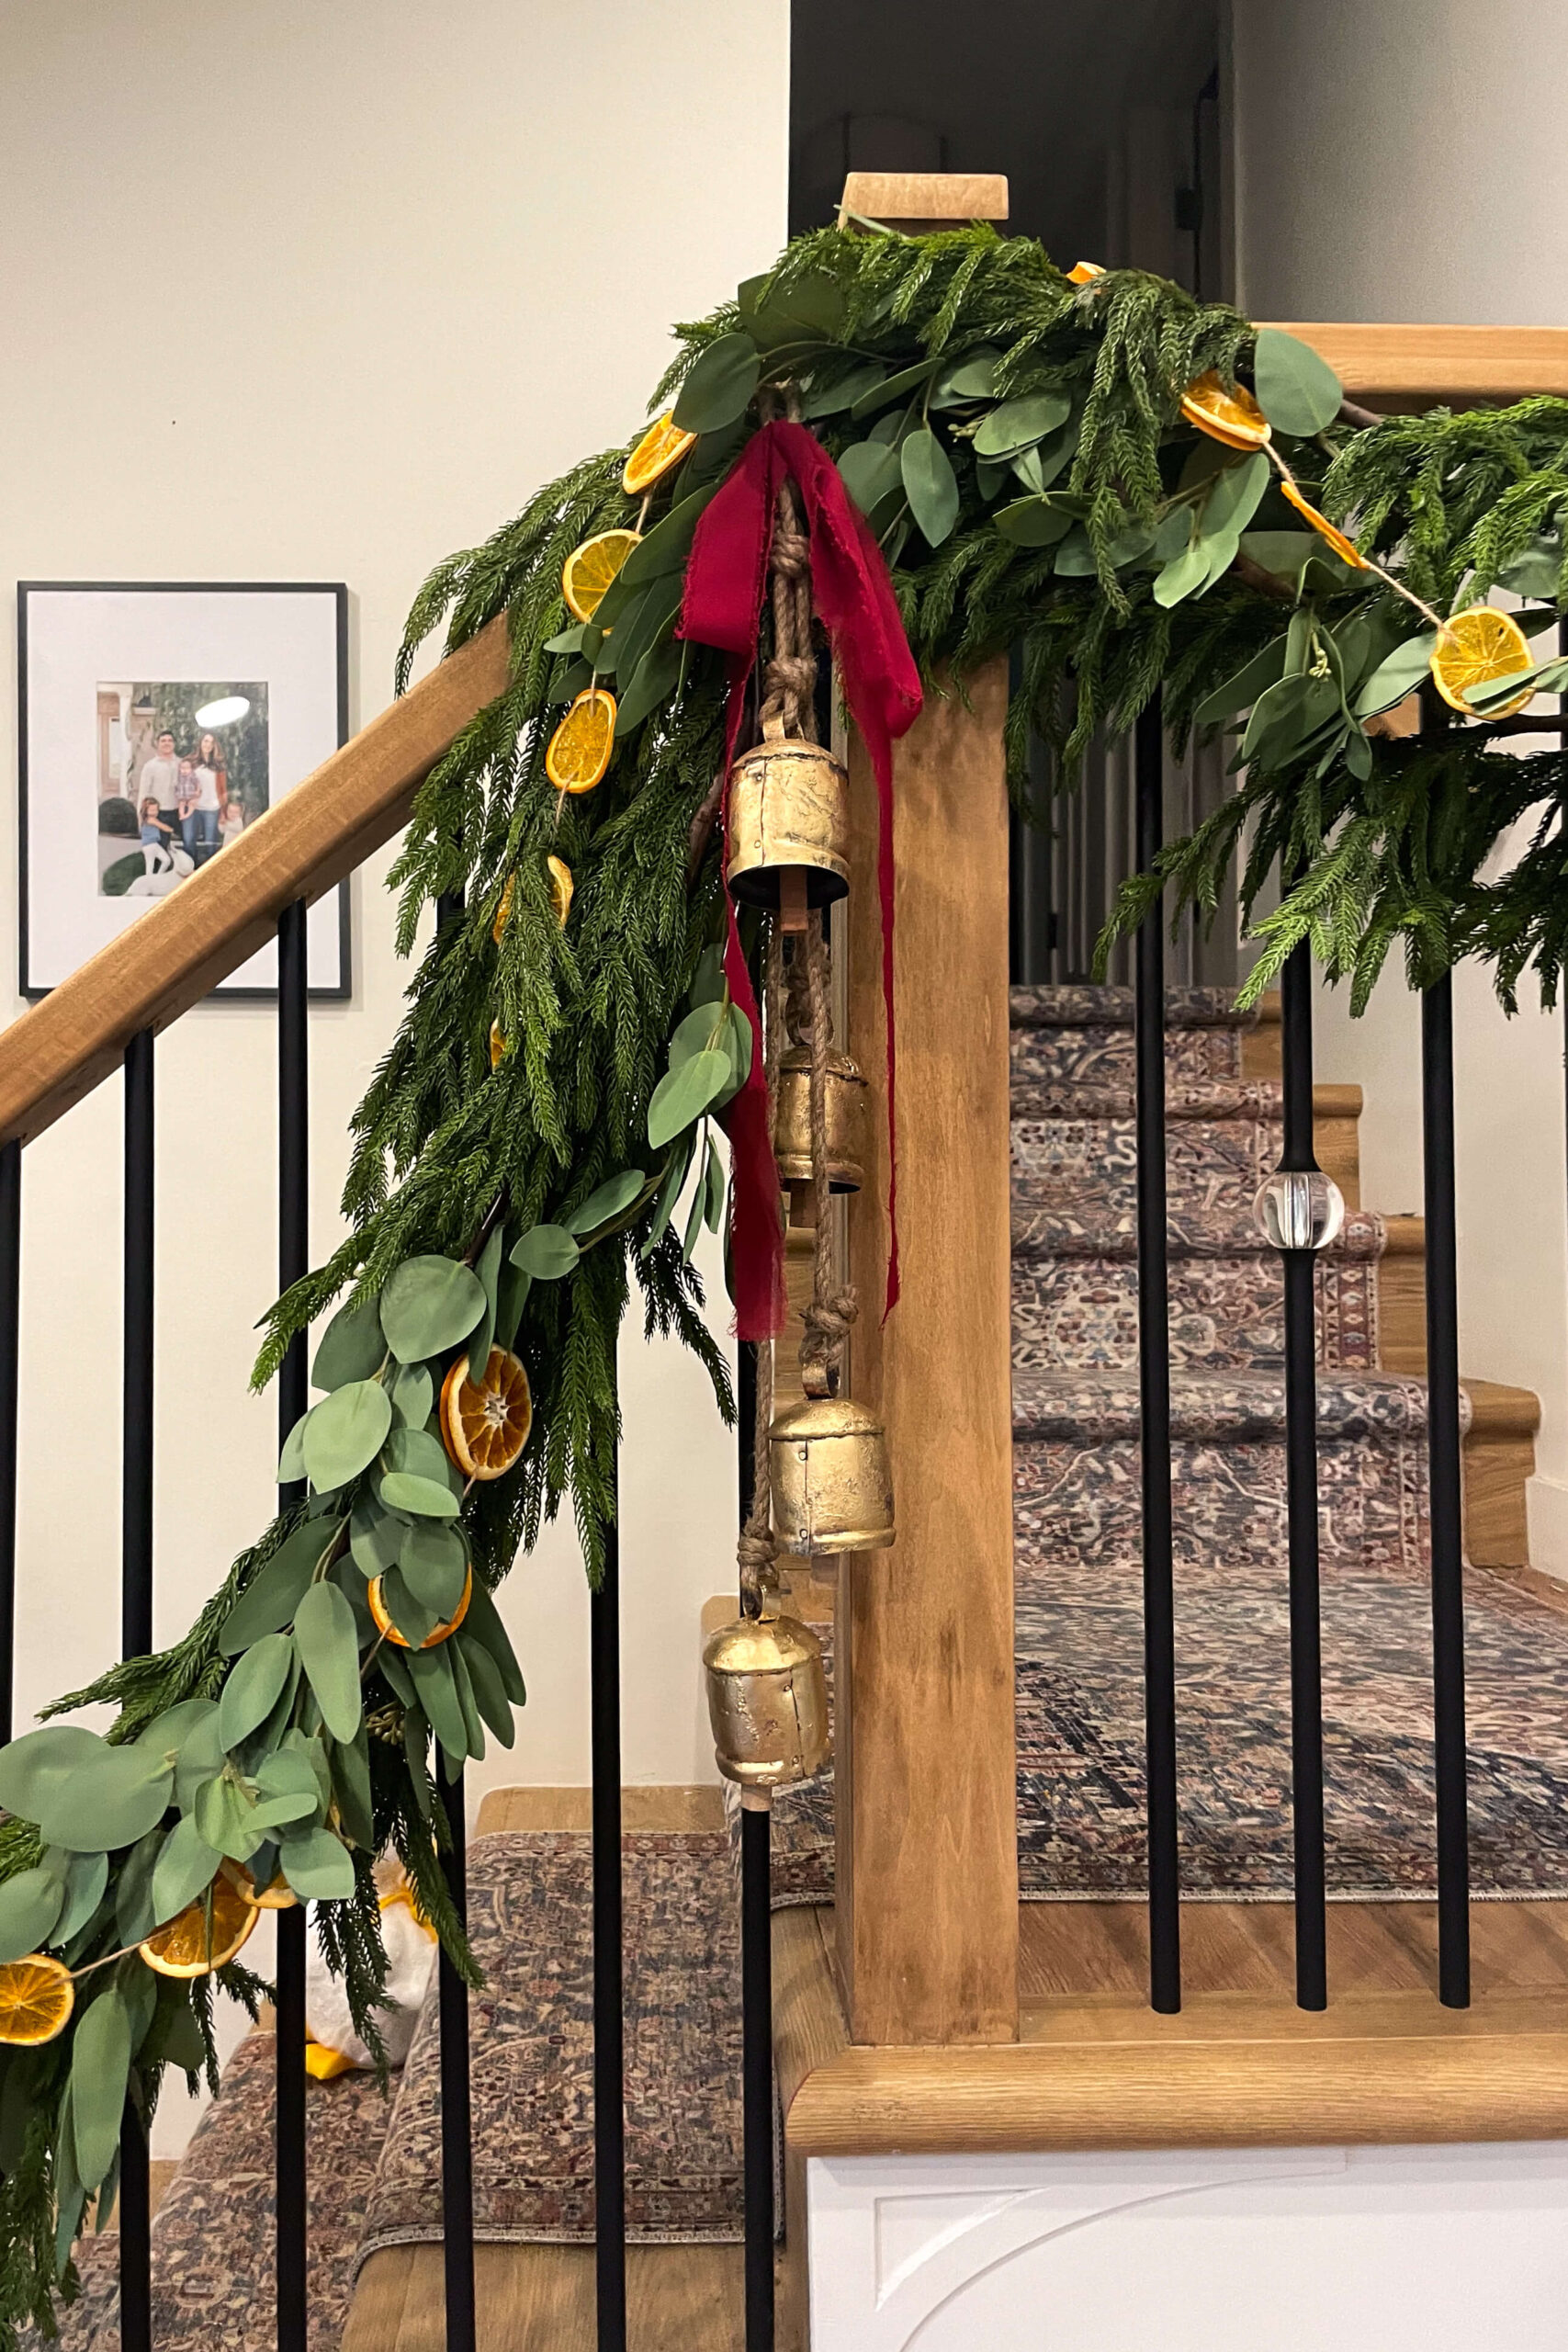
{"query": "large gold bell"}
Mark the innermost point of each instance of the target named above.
(847, 1104)
(767, 1700)
(789, 813)
(832, 1487)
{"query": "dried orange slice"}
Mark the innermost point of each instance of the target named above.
(182, 1949)
(37, 1997)
(579, 749)
(324, 2065)
(277, 1895)
(388, 1632)
(1346, 549)
(561, 897)
(1225, 413)
(1084, 273)
(662, 445)
(1473, 649)
(485, 1423)
(497, 1044)
(589, 570)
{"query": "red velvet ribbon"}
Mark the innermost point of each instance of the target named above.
(726, 580)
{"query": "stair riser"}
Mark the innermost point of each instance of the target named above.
(1084, 1171)
(1104, 1056)
(1076, 1509)
(1225, 1314)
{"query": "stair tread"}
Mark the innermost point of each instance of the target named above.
(1090, 1404)
(1066, 1006)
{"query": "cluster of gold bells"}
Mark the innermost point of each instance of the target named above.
(831, 1486)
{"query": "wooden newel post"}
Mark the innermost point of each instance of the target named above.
(926, 1783)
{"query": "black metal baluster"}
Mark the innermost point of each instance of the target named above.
(293, 1260)
(1154, 1383)
(1301, 1492)
(456, 2144)
(10, 1338)
(609, 2022)
(136, 1607)
(1443, 1466)
(756, 1974)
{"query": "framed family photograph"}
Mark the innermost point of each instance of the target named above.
(157, 721)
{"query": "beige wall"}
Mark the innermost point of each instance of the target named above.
(1372, 147)
(304, 292)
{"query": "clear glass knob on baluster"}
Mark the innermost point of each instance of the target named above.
(1299, 1208)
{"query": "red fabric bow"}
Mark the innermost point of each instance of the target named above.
(725, 577)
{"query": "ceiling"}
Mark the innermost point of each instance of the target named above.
(1037, 91)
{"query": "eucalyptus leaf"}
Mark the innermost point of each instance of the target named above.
(274, 1592)
(428, 1305)
(406, 1490)
(345, 1432)
(1241, 688)
(100, 2067)
(1545, 678)
(1408, 667)
(376, 1537)
(713, 1213)
(1297, 390)
(329, 1651)
(31, 1904)
(413, 1394)
(34, 1768)
(292, 1460)
(437, 1693)
(611, 1200)
(350, 1762)
(970, 378)
(870, 470)
(185, 1866)
(1033, 523)
(488, 1269)
(416, 1752)
(833, 399)
(255, 1681)
(639, 631)
(1234, 497)
(719, 387)
(665, 548)
(669, 1192)
(1183, 575)
(694, 1214)
(87, 1881)
(202, 1754)
(930, 485)
(891, 388)
(684, 1094)
(473, 1723)
(434, 1566)
(701, 1032)
(134, 1915)
(226, 1817)
(111, 1799)
(568, 683)
(1014, 425)
(653, 682)
(318, 1866)
(811, 310)
(351, 1347)
(419, 1451)
(511, 1300)
(565, 640)
(546, 1252)
(288, 1786)
(488, 1690)
(1535, 570)
(412, 1618)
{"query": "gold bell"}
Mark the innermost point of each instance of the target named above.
(789, 814)
(767, 1700)
(847, 1107)
(832, 1487)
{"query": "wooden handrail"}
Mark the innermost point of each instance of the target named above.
(1425, 364)
(184, 944)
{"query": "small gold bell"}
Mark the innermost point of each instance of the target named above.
(833, 1487)
(767, 1700)
(788, 812)
(847, 1107)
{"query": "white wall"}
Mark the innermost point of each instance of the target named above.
(1372, 149)
(296, 292)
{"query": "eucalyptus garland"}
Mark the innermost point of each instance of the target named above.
(1132, 489)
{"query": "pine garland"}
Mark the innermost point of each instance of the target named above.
(1019, 442)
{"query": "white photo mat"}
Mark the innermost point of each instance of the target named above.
(74, 636)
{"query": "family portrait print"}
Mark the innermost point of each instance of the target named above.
(182, 771)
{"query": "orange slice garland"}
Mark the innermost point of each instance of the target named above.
(497, 1045)
(1474, 648)
(561, 897)
(1225, 413)
(662, 449)
(579, 749)
(277, 1895)
(1084, 273)
(388, 1632)
(183, 1947)
(37, 1997)
(485, 1424)
(589, 570)
(1346, 549)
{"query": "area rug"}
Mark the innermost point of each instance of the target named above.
(214, 2239)
(532, 2049)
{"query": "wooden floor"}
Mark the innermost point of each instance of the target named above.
(1082, 1987)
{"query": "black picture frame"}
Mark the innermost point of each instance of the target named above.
(341, 990)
